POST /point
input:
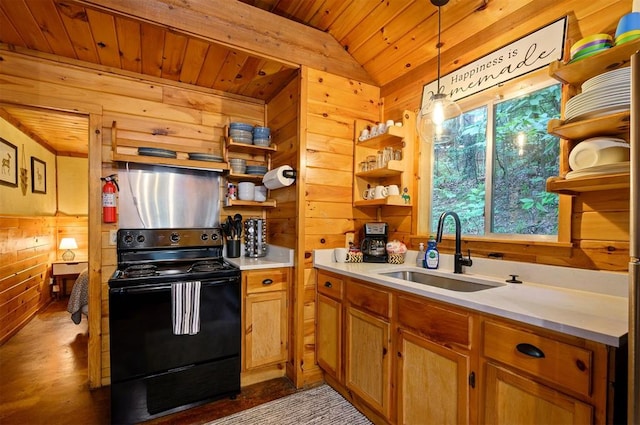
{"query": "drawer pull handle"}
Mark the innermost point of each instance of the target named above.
(267, 281)
(328, 284)
(530, 350)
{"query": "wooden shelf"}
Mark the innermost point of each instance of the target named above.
(269, 203)
(395, 200)
(246, 148)
(249, 177)
(588, 184)
(385, 139)
(172, 162)
(578, 72)
(119, 144)
(393, 168)
(608, 125)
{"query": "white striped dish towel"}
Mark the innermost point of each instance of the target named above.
(185, 307)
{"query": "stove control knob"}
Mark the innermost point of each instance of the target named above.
(174, 237)
(140, 238)
(214, 236)
(128, 238)
(204, 237)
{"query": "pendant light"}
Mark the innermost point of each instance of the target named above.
(440, 119)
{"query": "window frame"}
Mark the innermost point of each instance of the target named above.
(522, 86)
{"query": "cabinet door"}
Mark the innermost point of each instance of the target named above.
(328, 335)
(513, 399)
(265, 329)
(367, 359)
(432, 382)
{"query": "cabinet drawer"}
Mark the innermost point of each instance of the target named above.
(267, 280)
(374, 300)
(330, 285)
(60, 269)
(440, 324)
(554, 361)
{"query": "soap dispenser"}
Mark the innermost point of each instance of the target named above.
(420, 256)
(432, 257)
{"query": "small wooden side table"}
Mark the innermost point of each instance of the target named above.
(62, 270)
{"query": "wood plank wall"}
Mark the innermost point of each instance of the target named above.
(154, 112)
(599, 220)
(27, 248)
(282, 118)
(330, 105)
(73, 227)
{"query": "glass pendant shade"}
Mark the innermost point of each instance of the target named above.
(440, 120)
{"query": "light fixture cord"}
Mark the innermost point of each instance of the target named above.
(439, 24)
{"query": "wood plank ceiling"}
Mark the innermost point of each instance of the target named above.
(384, 39)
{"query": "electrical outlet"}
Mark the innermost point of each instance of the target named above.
(113, 237)
(349, 238)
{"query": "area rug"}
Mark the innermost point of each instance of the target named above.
(320, 406)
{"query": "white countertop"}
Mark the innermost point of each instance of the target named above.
(277, 256)
(583, 303)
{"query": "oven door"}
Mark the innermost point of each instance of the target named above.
(153, 370)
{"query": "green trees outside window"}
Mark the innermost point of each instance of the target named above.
(493, 173)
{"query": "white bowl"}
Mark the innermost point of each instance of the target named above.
(598, 151)
(246, 191)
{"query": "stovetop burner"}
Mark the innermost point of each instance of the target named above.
(140, 270)
(206, 266)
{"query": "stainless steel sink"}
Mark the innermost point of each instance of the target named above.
(439, 281)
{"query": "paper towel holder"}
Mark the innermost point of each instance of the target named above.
(290, 174)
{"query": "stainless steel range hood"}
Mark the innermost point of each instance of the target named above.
(155, 197)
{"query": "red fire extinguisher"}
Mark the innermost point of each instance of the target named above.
(109, 206)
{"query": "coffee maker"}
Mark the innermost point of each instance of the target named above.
(374, 242)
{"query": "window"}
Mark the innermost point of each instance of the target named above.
(493, 175)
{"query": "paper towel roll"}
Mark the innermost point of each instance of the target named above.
(275, 179)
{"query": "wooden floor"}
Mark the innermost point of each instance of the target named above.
(43, 379)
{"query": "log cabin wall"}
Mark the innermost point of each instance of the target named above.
(76, 226)
(283, 112)
(156, 113)
(330, 104)
(599, 221)
(27, 248)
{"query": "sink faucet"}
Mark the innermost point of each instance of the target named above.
(458, 260)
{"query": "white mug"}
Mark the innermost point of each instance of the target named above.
(368, 193)
(390, 123)
(374, 131)
(364, 135)
(382, 128)
(380, 192)
(260, 193)
(340, 255)
(393, 189)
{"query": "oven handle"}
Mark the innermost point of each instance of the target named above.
(167, 285)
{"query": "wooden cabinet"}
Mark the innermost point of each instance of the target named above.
(433, 363)
(408, 359)
(614, 124)
(537, 378)
(254, 155)
(514, 399)
(265, 317)
(396, 172)
(329, 322)
(368, 341)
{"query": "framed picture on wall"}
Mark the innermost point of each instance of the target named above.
(38, 176)
(9, 156)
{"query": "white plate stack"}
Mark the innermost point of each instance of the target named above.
(603, 94)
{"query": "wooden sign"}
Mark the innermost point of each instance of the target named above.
(525, 55)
